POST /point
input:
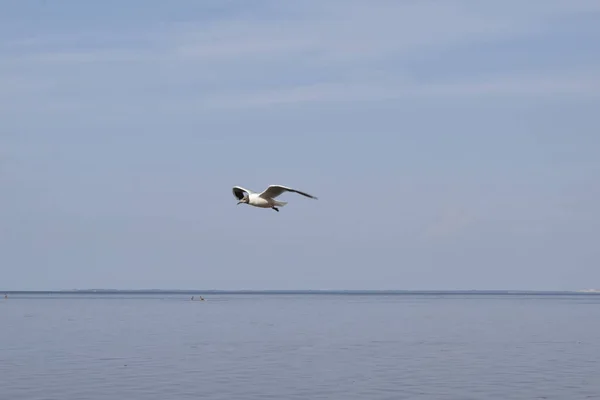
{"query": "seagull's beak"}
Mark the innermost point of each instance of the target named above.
(239, 202)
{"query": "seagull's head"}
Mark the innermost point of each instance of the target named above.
(243, 200)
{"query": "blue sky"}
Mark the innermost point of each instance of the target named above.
(452, 145)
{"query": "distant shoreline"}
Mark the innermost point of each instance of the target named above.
(300, 292)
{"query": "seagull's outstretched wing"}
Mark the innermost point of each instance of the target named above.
(239, 192)
(275, 190)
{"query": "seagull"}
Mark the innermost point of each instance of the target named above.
(266, 199)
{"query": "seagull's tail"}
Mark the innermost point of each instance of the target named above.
(280, 203)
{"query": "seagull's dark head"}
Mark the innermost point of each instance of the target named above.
(243, 200)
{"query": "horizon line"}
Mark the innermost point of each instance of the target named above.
(299, 291)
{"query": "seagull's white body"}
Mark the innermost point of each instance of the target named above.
(265, 199)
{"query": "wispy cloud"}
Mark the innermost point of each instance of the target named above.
(306, 52)
(560, 84)
(449, 223)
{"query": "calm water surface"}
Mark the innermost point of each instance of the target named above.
(460, 347)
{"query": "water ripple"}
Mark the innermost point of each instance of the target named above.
(317, 347)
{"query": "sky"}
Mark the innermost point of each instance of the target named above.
(451, 145)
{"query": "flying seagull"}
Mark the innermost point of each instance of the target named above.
(265, 199)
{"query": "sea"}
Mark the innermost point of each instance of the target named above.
(328, 345)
